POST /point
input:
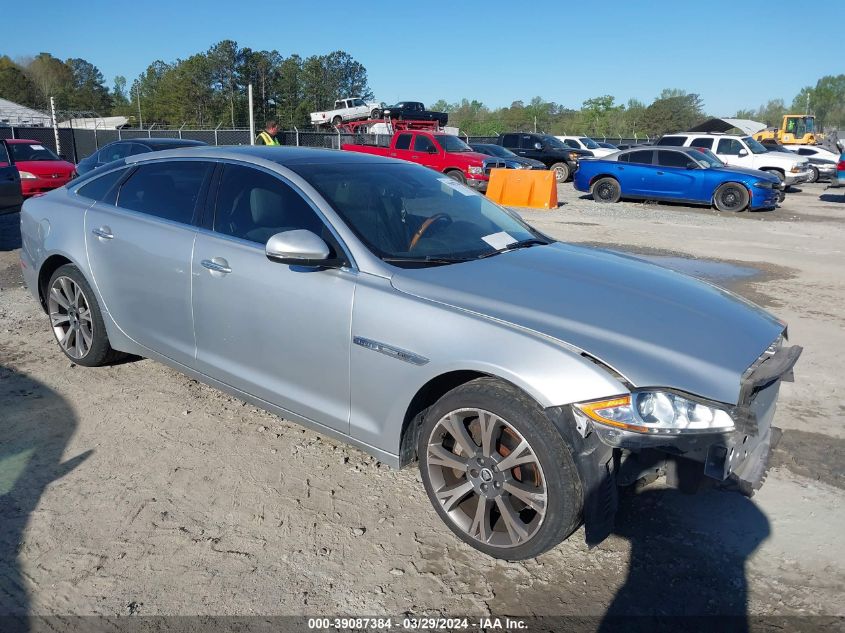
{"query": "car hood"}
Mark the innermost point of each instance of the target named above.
(747, 171)
(45, 167)
(656, 327)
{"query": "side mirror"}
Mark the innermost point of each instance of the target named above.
(743, 152)
(692, 165)
(538, 146)
(297, 247)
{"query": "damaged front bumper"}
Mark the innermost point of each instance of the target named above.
(738, 458)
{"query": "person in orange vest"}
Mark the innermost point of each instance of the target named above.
(267, 136)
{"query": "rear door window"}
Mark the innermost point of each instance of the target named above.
(528, 142)
(168, 190)
(642, 156)
(510, 140)
(702, 142)
(672, 159)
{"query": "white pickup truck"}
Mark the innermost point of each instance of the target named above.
(350, 109)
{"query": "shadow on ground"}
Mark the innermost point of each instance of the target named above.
(688, 556)
(36, 425)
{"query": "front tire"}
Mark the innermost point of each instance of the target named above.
(375, 114)
(337, 121)
(76, 319)
(606, 190)
(814, 175)
(457, 174)
(562, 171)
(731, 198)
(498, 472)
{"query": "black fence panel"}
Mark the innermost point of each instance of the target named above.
(206, 136)
(6, 132)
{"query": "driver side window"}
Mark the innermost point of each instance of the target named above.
(255, 205)
(422, 143)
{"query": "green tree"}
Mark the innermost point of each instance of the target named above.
(86, 90)
(15, 85)
(51, 77)
(225, 59)
(672, 113)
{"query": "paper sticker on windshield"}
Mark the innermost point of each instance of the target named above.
(454, 184)
(37, 146)
(499, 240)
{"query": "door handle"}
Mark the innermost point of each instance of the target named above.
(660, 173)
(620, 168)
(215, 267)
(103, 232)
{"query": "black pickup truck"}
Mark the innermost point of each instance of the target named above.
(550, 151)
(414, 111)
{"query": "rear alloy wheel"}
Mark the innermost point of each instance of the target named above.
(606, 190)
(76, 319)
(814, 174)
(562, 171)
(497, 471)
(731, 197)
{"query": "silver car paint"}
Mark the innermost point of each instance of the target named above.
(656, 327)
(451, 323)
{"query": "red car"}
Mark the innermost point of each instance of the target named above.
(439, 151)
(40, 169)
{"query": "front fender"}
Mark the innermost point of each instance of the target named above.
(443, 340)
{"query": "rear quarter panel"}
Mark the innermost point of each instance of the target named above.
(589, 171)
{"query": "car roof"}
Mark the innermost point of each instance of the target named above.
(155, 142)
(280, 155)
(713, 134)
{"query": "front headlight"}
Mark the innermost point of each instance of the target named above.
(573, 156)
(523, 166)
(797, 169)
(657, 412)
(25, 175)
(763, 184)
(474, 169)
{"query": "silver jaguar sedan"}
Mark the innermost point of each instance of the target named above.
(386, 305)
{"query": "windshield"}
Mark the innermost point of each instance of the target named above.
(755, 146)
(407, 214)
(707, 158)
(556, 143)
(25, 151)
(452, 143)
(589, 143)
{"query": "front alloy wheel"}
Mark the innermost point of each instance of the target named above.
(486, 477)
(498, 471)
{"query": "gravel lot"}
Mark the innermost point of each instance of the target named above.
(132, 489)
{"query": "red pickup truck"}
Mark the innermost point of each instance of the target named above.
(445, 153)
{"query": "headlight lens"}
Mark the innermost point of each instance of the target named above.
(474, 169)
(764, 184)
(657, 412)
(25, 175)
(573, 156)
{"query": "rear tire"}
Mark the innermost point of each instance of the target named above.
(456, 174)
(562, 171)
(731, 198)
(337, 121)
(606, 190)
(76, 320)
(516, 511)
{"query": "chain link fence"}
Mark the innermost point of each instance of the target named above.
(76, 144)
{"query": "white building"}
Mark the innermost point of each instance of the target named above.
(14, 114)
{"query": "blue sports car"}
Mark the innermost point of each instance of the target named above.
(681, 174)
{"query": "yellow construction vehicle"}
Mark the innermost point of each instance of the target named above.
(796, 129)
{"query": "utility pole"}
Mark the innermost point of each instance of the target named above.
(252, 118)
(55, 125)
(138, 97)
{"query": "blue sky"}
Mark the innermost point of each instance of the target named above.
(734, 54)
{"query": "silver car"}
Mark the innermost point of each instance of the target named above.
(384, 304)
